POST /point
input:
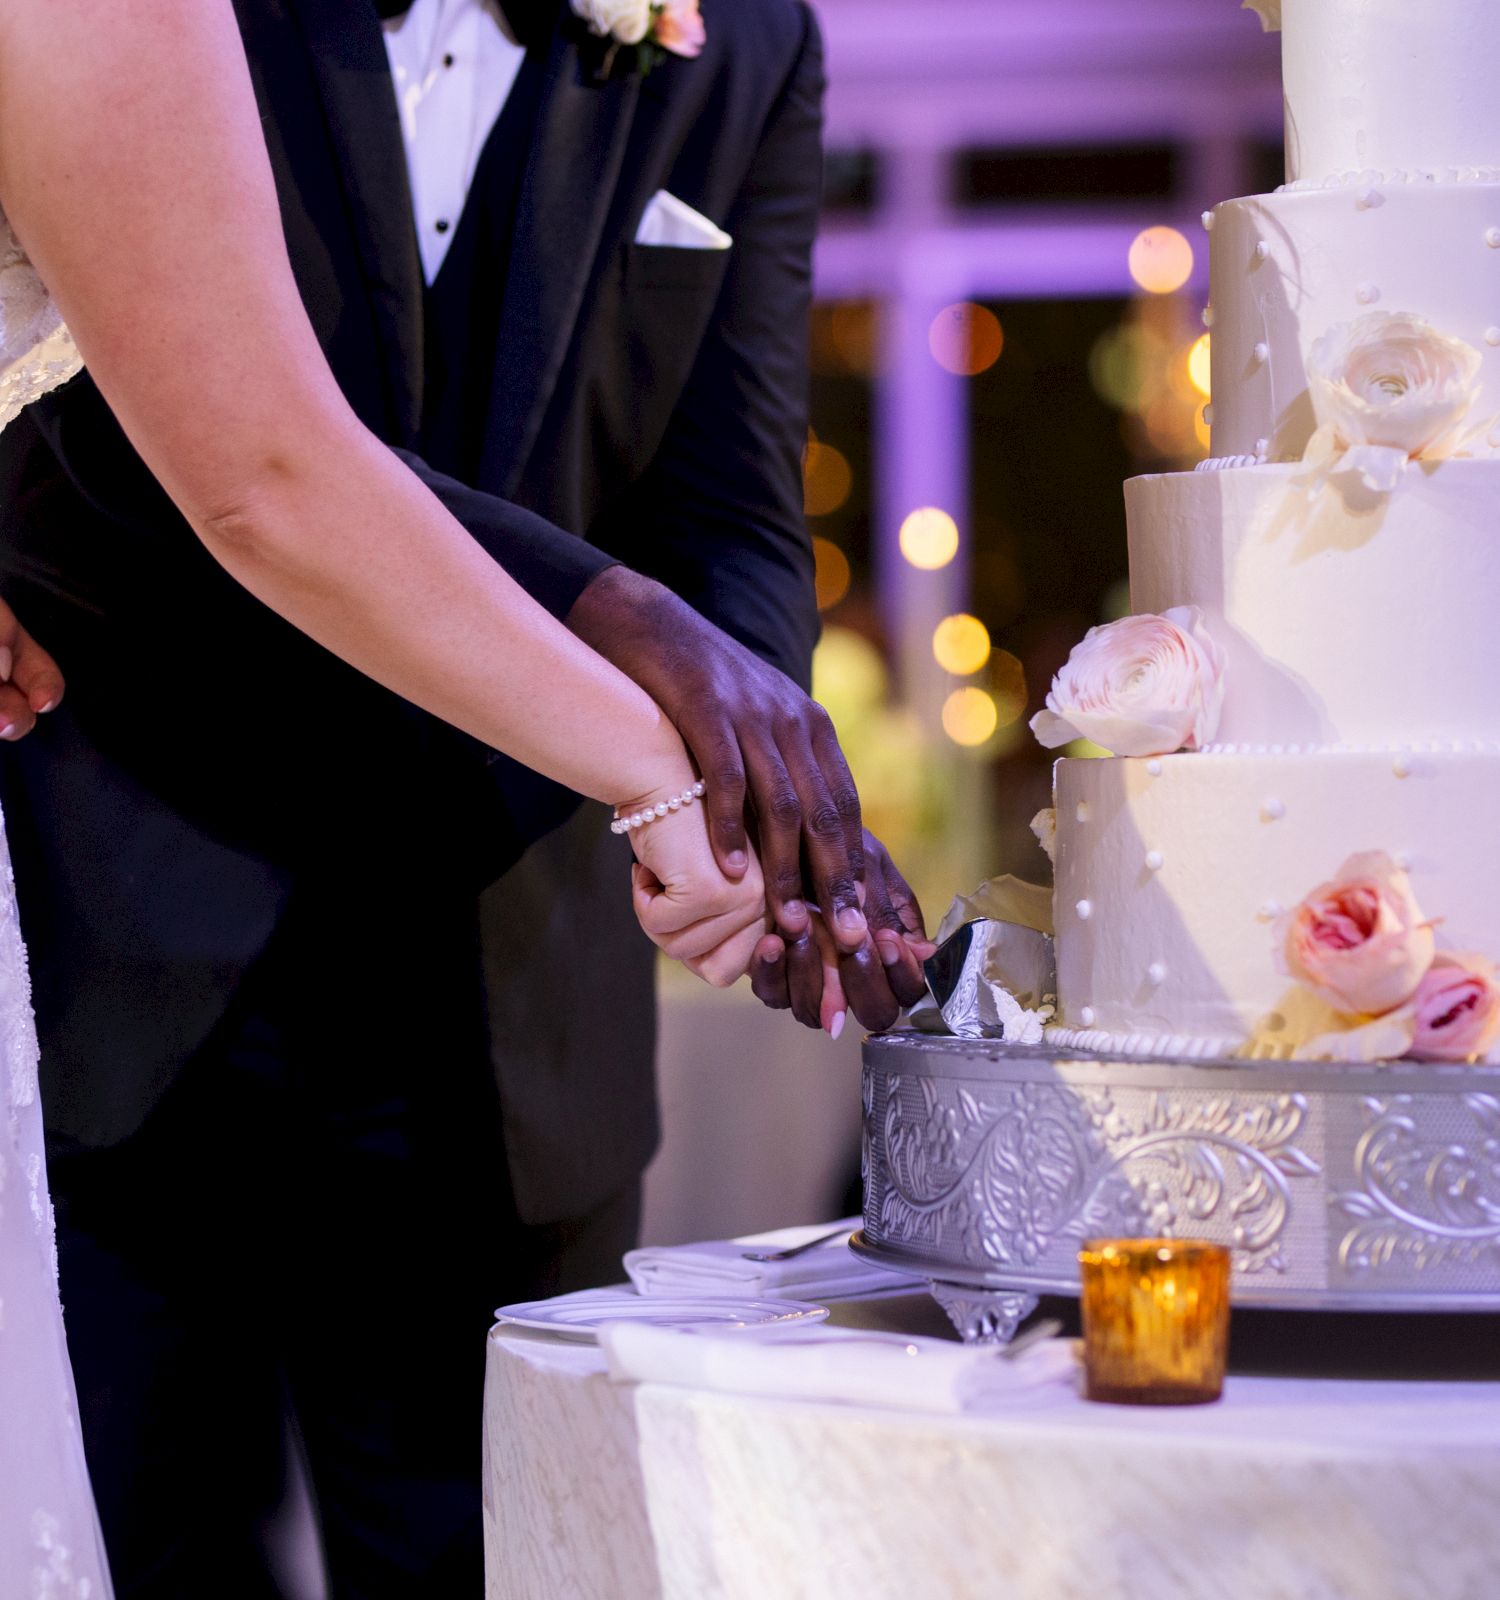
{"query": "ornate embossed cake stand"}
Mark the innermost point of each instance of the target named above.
(1336, 1187)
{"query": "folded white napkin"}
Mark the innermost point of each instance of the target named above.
(718, 1266)
(844, 1365)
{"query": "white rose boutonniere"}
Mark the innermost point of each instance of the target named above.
(1388, 389)
(1269, 12)
(652, 27)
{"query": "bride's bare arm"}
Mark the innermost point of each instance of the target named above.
(133, 170)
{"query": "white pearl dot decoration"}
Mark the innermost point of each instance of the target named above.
(1401, 766)
(1153, 766)
(1086, 1016)
(1492, 335)
(1085, 909)
(1208, 221)
(1261, 353)
(1492, 238)
(1269, 911)
(1262, 249)
(1367, 199)
(1367, 294)
(1208, 316)
(1208, 414)
(1154, 860)
(1082, 811)
(1262, 449)
(1273, 811)
(1157, 973)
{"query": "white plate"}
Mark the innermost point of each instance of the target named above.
(578, 1315)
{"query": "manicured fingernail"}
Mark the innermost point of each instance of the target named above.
(736, 861)
(851, 921)
(7, 730)
(836, 1027)
(51, 705)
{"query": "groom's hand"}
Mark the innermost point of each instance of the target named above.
(754, 735)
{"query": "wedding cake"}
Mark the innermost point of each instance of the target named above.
(1289, 853)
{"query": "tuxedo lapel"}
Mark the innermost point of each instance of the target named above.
(353, 72)
(581, 132)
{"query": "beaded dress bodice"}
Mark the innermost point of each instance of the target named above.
(37, 352)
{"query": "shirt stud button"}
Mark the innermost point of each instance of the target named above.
(441, 225)
(448, 61)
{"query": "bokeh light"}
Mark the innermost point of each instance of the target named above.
(1008, 687)
(970, 716)
(827, 479)
(929, 538)
(961, 644)
(1198, 365)
(831, 574)
(966, 339)
(1161, 260)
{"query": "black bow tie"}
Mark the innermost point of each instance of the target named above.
(532, 21)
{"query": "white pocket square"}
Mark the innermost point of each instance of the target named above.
(670, 221)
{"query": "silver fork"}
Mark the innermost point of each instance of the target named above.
(796, 1249)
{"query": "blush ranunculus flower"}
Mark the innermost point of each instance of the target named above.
(629, 21)
(1142, 686)
(1456, 1009)
(1360, 941)
(1388, 388)
(679, 28)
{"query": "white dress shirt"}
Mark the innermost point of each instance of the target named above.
(454, 63)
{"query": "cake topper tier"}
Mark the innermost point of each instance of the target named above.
(1389, 86)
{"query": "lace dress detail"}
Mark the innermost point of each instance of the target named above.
(50, 1547)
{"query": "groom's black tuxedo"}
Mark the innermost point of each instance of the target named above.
(645, 398)
(225, 839)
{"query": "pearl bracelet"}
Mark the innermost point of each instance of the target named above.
(639, 819)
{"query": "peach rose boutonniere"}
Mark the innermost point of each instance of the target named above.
(1387, 389)
(652, 28)
(1360, 941)
(1142, 686)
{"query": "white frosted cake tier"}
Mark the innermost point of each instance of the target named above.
(1172, 872)
(1389, 84)
(1288, 267)
(1345, 617)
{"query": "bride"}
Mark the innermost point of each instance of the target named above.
(132, 168)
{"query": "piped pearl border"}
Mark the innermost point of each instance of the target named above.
(662, 808)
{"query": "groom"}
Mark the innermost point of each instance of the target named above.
(275, 1005)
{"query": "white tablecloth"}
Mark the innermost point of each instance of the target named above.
(1288, 1489)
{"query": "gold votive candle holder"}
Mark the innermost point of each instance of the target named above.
(1155, 1320)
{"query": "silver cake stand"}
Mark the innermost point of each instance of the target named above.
(1336, 1188)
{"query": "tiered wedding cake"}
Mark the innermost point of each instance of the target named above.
(1293, 852)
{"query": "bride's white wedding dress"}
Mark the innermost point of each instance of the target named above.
(50, 1547)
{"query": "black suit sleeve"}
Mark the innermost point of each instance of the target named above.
(553, 567)
(718, 516)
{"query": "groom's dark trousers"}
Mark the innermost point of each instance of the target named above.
(336, 1054)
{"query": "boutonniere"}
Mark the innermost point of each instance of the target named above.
(653, 29)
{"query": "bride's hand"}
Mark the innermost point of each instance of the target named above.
(686, 905)
(30, 682)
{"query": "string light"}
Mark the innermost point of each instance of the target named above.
(831, 574)
(970, 716)
(1161, 260)
(1198, 365)
(827, 479)
(966, 339)
(929, 538)
(961, 644)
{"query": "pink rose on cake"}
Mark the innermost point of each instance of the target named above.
(1456, 1009)
(1360, 941)
(1142, 686)
(1388, 388)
